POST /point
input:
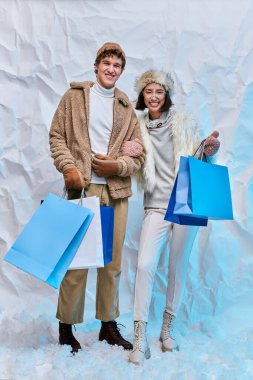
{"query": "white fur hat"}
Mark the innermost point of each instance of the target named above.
(153, 76)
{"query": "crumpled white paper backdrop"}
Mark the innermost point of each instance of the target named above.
(207, 46)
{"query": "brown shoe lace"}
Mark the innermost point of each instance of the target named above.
(115, 336)
(113, 326)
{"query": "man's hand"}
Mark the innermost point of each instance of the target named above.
(212, 144)
(102, 157)
(73, 179)
(104, 166)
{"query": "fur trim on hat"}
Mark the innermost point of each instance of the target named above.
(153, 76)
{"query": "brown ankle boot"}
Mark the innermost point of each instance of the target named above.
(110, 332)
(66, 337)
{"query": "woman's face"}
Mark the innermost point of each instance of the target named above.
(154, 97)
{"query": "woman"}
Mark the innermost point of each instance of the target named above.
(167, 135)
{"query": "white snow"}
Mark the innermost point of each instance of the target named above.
(222, 349)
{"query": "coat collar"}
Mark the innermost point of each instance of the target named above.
(119, 95)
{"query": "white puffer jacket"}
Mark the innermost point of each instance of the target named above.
(186, 139)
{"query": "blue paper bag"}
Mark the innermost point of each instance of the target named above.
(203, 190)
(171, 216)
(210, 190)
(49, 241)
(107, 224)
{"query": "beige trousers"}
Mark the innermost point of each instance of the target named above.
(72, 290)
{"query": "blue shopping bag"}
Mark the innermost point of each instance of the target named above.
(202, 190)
(107, 225)
(49, 241)
(210, 190)
(171, 216)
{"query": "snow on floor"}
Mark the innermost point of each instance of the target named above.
(29, 350)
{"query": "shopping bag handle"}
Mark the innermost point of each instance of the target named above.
(65, 193)
(201, 147)
(83, 194)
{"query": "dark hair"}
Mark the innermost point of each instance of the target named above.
(140, 104)
(110, 53)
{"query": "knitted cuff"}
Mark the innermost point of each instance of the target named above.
(122, 170)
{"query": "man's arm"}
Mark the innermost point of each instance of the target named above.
(130, 165)
(63, 159)
(124, 166)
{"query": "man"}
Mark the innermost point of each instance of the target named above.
(91, 126)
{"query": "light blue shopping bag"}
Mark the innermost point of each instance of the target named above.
(49, 241)
(203, 190)
(172, 216)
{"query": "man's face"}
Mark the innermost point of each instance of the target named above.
(109, 70)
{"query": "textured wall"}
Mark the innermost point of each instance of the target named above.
(208, 48)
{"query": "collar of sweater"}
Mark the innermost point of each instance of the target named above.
(85, 86)
(101, 91)
(161, 122)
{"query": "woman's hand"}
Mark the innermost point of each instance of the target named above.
(132, 148)
(212, 144)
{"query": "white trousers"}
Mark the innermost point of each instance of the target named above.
(155, 235)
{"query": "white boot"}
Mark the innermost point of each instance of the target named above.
(140, 345)
(168, 341)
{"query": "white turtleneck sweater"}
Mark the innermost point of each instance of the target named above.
(101, 121)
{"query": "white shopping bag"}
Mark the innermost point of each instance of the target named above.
(90, 251)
